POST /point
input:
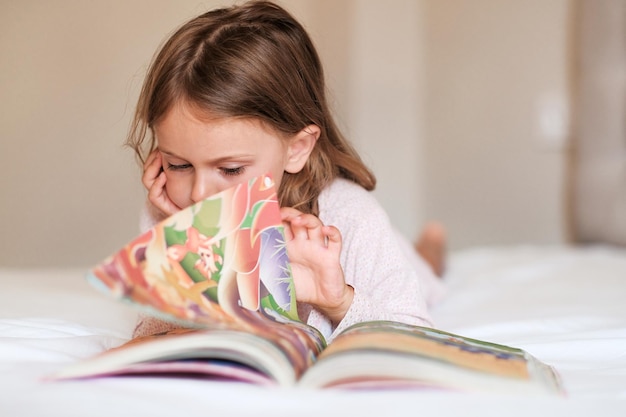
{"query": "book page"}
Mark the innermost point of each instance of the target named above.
(401, 339)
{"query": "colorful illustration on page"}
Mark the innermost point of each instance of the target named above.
(210, 262)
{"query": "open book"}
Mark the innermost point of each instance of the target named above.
(220, 269)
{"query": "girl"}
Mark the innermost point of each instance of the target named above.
(239, 92)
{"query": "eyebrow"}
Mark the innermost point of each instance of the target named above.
(168, 152)
(212, 161)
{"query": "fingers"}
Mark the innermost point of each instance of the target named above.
(287, 214)
(154, 180)
(333, 238)
(309, 227)
(300, 225)
(157, 189)
(152, 168)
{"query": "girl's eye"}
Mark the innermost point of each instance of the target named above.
(232, 171)
(180, 167)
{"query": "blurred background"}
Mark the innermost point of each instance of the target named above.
(462, 109)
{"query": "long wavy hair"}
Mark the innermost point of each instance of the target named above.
(252, 60)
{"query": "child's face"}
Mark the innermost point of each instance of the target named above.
(201, 157)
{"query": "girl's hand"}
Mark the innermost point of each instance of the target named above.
(154, 180)
(314, 251)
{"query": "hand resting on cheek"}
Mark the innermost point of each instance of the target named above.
(154, 180)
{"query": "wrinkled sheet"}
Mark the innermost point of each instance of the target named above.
(565, 305)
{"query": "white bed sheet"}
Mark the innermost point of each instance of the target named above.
(565, 305)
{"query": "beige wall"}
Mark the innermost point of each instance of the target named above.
(440, 97)
(497, 91)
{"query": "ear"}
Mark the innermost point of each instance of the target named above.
(300, 147)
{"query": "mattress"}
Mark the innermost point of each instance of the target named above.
(564, 304)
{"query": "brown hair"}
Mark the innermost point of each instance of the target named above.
(253, 60)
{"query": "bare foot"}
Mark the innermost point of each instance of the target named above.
(431, 245)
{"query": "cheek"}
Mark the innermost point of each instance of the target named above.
(178, 190)
(277, 176)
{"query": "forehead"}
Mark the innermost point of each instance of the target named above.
(184, 130)
(183, 113)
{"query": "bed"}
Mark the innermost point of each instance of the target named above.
(564, 304)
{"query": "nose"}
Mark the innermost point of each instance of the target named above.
(201, 188)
